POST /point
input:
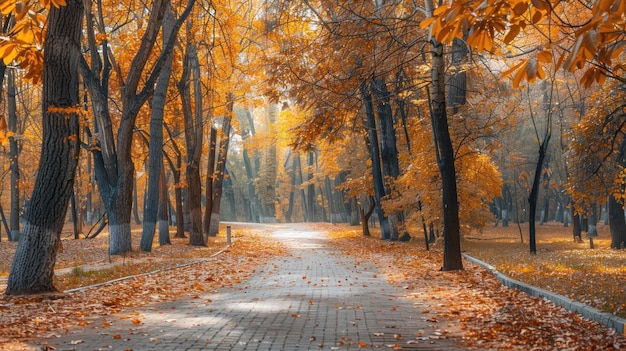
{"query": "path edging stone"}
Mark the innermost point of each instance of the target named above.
(605, 318)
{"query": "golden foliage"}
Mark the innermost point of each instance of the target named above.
(596, 37)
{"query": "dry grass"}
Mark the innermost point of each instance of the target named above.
(87, 261)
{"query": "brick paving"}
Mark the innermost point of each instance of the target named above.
(312, 299)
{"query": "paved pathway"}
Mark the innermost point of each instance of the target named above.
(313, 300)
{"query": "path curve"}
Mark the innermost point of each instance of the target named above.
(311, 299)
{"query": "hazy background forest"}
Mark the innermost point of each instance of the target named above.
(309, 111)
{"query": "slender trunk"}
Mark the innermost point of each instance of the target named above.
(179, 210)
(136, 202)
(576, 228)
(74, 216)
(33, 265)
(248, 130)
(14, 217)
(292, 189)
(534, 194)
(220, 169)
(388, 147)
(155, 146)
(365, 217)
(379, 188)
(163, 220)
(452, 229)
(193, 137)
(231, 214)
(310, 192)
(267, 176)
(305, 211)
(210, 175)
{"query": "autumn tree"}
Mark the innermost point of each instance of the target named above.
(113, 155)
(33, 265)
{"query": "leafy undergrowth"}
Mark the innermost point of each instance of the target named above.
(473, 305)
(592, 276)
(41, 316)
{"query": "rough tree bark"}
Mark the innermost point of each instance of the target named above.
(33, 265)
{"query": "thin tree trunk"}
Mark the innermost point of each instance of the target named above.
(33, 265)
(14, 216)
(365, 217)
(210, 175)
(310, 192)
(534, 193)
(193, 138)
(163, 215)
(155, 146)
(305, 211)
(452, 229)
(379, 188)
(220, 169)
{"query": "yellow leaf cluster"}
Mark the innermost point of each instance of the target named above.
(597, 36)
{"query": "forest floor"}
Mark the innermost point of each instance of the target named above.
(488, 315)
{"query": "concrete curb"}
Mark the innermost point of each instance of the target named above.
(588, 312)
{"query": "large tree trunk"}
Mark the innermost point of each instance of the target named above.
(155, 147)
(14, 216)
(220, 169)
(33, 265)
(452, 228)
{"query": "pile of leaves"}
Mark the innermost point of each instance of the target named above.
(473, 305)
(43, 316)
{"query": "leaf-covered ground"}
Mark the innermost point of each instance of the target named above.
(39, 316)
(470, 305)
(595, 277)
(474, 305)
